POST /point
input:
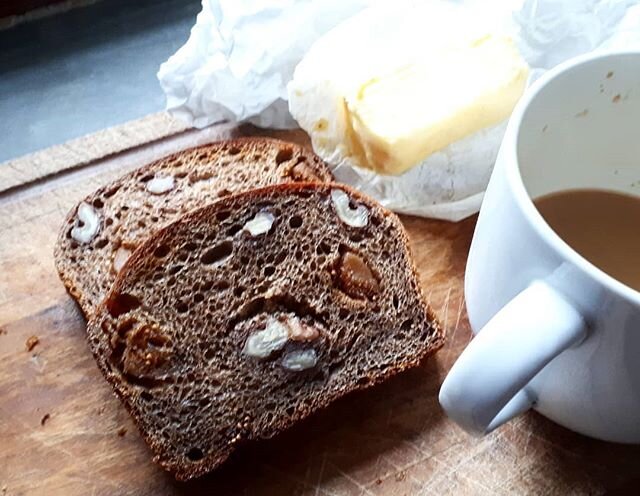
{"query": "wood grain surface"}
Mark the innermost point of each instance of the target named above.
(62, 431)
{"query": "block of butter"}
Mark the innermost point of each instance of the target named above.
(404, 90)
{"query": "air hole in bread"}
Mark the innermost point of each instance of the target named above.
(161, 251)
(206, 286)
(280, 257)
(101, 243)
(295, 221)
(218, 253)
(223, 192)
(198, 297)
(122, 303)
(223, 215)
(108, 221)
(146, 396)
(182, 307)
(269, 270)
(209, 354)
(238, 291)
(191, 246)
(234, 150)
(174, 269)
(147, 178)
(222, 285)
(356, 237)
(406, 325)
(363, 381)
(233, 230)
(323, 248)
(195, 454)
(396, 303)
(112, 191)
(284, 155)
(98, 203)
(180, 174)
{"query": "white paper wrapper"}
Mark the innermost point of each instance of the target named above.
(240, 56)
(242, 53)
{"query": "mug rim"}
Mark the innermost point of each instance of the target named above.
(524, 201)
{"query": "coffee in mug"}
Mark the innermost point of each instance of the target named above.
(603, 226)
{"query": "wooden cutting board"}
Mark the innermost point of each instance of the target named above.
(62, 431)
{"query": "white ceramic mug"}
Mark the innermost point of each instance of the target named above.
(554, 332)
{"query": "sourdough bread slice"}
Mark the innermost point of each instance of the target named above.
(249, 314)
(102, 231)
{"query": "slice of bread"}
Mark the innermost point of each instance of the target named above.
(249, 314)
(102, 231)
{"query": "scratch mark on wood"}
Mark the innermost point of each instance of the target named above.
(363, 489)
(478, 448)
(321, 473)
(451, 339)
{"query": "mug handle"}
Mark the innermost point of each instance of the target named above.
(486, 386)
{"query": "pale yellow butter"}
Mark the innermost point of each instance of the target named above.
(395, 121)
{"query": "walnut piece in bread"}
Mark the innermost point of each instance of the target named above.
(354, 215)
(87, 224)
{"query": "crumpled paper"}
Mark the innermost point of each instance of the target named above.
(242, 53)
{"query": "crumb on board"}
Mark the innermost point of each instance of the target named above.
(609, 74)
(44, 419)
(122, 431)
(400, 475)
(583, 113)
(2, 331)
(616, 98)
(32, 342)
(4, 490)
(378, 482)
